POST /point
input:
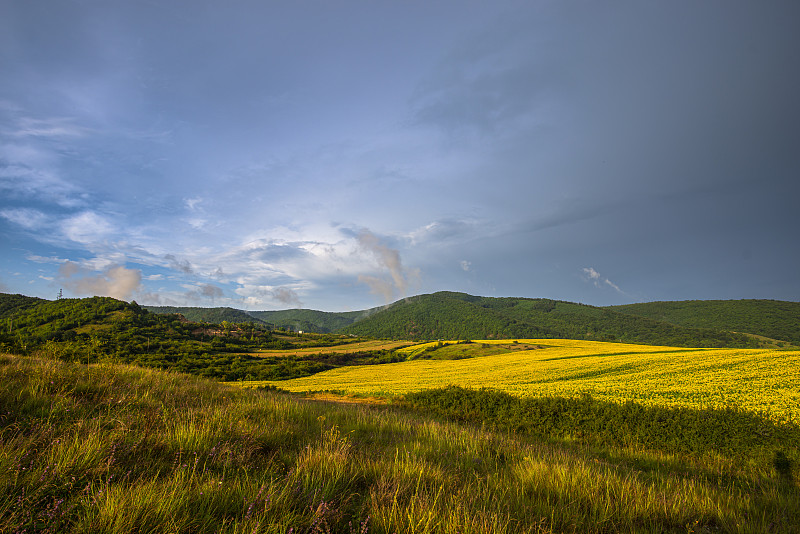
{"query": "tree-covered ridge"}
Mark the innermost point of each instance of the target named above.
(207, 315)
(775, 319)
(315, 321)
(311, 320)
(11, 304)
(448, 315)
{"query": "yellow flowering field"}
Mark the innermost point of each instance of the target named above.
(760, 380)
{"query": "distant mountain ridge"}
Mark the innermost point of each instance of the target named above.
(453, 315)
(319, 322)
(449, 315)
(207, 315)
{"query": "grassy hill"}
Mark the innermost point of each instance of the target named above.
(447, 315)
(770, 318)
(118, 449)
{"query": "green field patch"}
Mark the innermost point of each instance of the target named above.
(458, 350)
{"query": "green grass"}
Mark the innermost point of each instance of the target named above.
(113, 448)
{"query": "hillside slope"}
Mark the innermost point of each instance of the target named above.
(770, 318)
(206, 315)
(448, 315)
(119, 449)
(12, 304)
(319, 322)
(315, 321)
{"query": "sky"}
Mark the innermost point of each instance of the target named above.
(343, 155)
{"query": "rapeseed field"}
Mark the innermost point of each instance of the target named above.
(764, 381)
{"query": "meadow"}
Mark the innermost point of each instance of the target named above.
(116, 448)
(762, 381)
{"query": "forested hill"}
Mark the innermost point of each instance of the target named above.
(319, 322)
(13, 304)
(29, 321)
(206, 315)
(311, 320)
(770, 318)
(447, 315)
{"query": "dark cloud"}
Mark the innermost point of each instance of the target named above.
(287, 296)
(398, 279)
(204, 292)
(179, 265)
(443, 230)
(274, 252)
(504, 149)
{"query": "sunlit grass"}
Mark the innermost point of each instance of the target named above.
(121, 449)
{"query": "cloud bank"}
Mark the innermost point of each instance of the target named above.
(115, 281)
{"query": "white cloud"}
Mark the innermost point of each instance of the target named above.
(31, 171)
(87, 228)
(53, 127)
(598, 280)
(465, 265)
(44, 259)
(28, 218)
(193, 203)
(592, 275)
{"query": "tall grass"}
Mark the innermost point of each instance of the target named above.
(122, 449)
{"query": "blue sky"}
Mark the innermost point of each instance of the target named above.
(342, 155)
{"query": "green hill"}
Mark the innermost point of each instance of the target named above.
(447, 315)
(105, 329)
(451, 315)
(315, 321)
(12, 304)
(102, 329)
(311, 320)
(775, 319)
(130, 332)
(207, 315)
